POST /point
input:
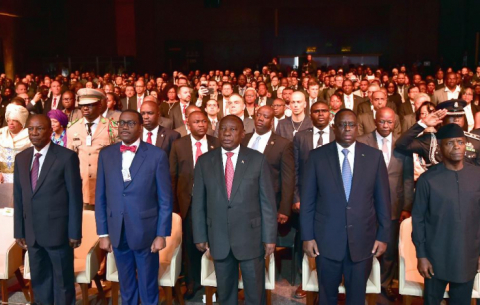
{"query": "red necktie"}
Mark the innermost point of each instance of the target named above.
(184, 107)
(149, 138)
(54, 103)
(124, 148)
(198, 152)
(34, 171)
(229, 172)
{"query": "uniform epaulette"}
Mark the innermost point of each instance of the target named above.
(70, 124)
(472, 135)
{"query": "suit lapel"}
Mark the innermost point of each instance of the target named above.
(217, 165)
(160, 136)
(359, 167)
(336, 169)
(270, 144)
(137, 161)
(25, 169)
(309, 139)
(47, 164)
(188, 151)
(116, 158)
(242, 164)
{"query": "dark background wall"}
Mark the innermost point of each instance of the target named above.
(160, 35)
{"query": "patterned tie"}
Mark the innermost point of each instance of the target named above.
(346, 174)
(149, 138)
(34, 171)
(229, 172)
(320, 139)
(198, 152)
(54, 103)
(385, 151)
(256, 143)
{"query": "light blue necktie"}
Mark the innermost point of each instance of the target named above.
(346, 174)
(256, 143)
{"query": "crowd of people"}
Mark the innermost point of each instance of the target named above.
(341, 156)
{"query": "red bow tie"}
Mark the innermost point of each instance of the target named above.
(124, 148)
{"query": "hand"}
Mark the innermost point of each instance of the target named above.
(105, 244)
(158, 244)
(75, 243)
(2, 180)
(202, 247)
(296, 207)
(269, 249)
(434, 118)
(425, 268)
(37, 97)
(310, 248)
(404, 215)
(379, 248)
(22, 243)
(281, 219)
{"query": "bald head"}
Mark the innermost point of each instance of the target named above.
(150, 98)
(385, 121)
(191, 109)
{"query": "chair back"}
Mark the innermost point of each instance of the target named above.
(173, 240)
(408, 252)
(89, 235)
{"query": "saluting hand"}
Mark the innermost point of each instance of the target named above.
(434, 118)
(158, 244)
(379, 248)
(425, 268)
(310, 248)
(75, 243)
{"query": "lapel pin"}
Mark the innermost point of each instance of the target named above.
(272, 143)
(162, 135)
(363, 155)
(243, 162)
(211, 147)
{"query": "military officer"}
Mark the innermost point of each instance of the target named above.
(426, 145)
(87, 136)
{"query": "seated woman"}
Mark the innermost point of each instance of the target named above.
(13, 139)
(59, 126)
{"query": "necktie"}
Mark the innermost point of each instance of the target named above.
(385, 151)
(256, 143)
(320, 139)
(214, 124)
(198, 152)
(183, 109)
(139, 103)
(229, 172)
(346, 174)
(124, 148)
(54, 103)
(149, 138)
(89, 128)
(34, 171)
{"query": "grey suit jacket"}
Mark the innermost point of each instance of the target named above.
(243, 222)
(408, 121)
(366, 124)
(439, 96)
(400, 176)
(165, 122)
(129, 103)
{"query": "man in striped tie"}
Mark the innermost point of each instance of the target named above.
(234, 213)
(345, 211)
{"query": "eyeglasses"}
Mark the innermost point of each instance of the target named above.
(276, 106)
(383, 122)
(343, 125)
(130, 124)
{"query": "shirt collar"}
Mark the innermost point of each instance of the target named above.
(42, 151)
(457, 89)
(154, 131)
(202, 140)
(95, 122)
(136, 143)
(235, 151)
(265, 135)
(325, 130)
(379, 137)
(242, 117)
(351, 148)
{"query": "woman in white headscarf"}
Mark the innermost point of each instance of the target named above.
(13, 139)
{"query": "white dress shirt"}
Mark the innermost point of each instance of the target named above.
(262, 144)
(154, 134)
(312, 101)
(234, 157)
(140, 99)
(203, 147)
(351, 156)
(276, 120)
(389, 145)
(57, 101)
(413, 105)
(225, 107)
(470, 118)
(94, 126)
(42, 151)
(325, 135)
(452, 95)
(127, 156)
(348, 101)
(262, 101)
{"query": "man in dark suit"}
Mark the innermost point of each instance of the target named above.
(162, 121)
(237, 108)
(234, 213)
(263, 99)
(400, 178)
(366, 120)
(279, 154)
(402, 89)
(130, 99)
(184, 131)
(367, 105)
(409, 105)
(288, 127)
(345, 211)
(133, 208)
(350, 100)
(48, 212)
(177, 114)
(185, 153)
(38, 102)
(152, 132)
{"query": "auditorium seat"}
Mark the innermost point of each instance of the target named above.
(170, 265)
(410, 282)
(209, 278)
(310, 280)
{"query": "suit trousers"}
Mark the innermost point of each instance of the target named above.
(53, 279)
(253, 274)
(459, 293)
(193, 257)
(389, 259)
(133, 264)
(355, 276)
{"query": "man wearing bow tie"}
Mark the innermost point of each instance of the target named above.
(134, 208)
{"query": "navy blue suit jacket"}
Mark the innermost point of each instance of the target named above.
(143, 204)
(325, 214)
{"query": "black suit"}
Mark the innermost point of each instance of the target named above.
(345, 230)
(357, 100)
(129, 103)
(165, 122)
(279, 154)
(47, 218)
(44, 109)
(165, 138)
(235, 228)
(182, 171)
(405, 108)
(269, 101)
(400, 178)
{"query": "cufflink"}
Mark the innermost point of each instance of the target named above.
(243, 162)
